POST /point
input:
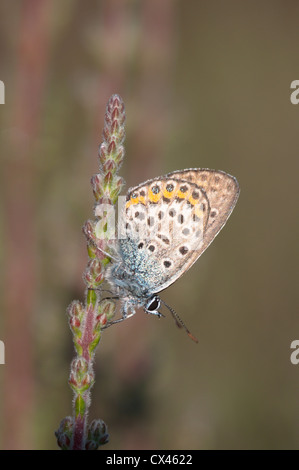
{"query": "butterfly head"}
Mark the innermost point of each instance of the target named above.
(152, 305)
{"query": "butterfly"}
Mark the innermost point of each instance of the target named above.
(166, 224)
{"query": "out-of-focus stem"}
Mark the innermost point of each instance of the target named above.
(19, 215)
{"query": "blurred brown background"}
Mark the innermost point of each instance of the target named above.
(205, 84)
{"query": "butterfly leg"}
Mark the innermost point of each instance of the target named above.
(125, 315)
(110, 298)
(119, 320)
(126, 309)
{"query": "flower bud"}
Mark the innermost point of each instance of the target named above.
(93, 275)
(80, 377)
(97, 434)
(107, 307)
(97, 186)
(64, 433)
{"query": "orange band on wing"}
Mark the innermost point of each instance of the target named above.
(142, 200)
(167, 194)
(192, 201)
(182, 195)
(154, 197)
(134, 200)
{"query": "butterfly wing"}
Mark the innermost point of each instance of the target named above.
(169, 221)
(165, 221)
(222, 191)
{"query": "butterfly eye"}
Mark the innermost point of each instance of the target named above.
(153, 304)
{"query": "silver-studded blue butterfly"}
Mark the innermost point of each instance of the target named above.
(167, 223)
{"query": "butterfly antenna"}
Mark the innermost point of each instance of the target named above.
(179, 322)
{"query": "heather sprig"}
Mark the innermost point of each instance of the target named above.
(87, 319)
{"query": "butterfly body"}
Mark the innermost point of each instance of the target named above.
(133, 280)
(166, 224)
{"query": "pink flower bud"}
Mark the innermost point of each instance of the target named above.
(116, 101)
(111, 147)
(75, 322)
(103, 152)
(80, 377)
(102, 319)
(97, 433)
(97, 186)
(109, 166)
(107, 307)
(64, 433)
(115, 127)
(107, 134)
(115, 114)
(108, 179)
(75, 309)
(120, 155)
(88, 230)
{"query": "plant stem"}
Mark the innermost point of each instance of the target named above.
(87, 320)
